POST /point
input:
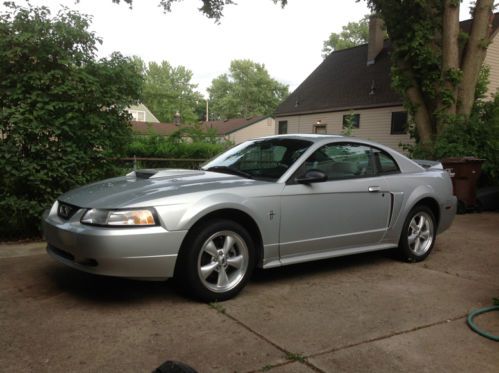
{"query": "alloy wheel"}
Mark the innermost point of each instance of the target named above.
(223, 261)
(420, 233)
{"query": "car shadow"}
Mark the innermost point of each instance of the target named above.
(112, 290)
(105, 289)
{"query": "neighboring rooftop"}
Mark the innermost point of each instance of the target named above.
(146, 128)
(225, 127)
(222, 127)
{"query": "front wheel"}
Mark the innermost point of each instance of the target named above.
(217, 260)
(418, 235)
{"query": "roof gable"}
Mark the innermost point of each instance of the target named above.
(225, 127)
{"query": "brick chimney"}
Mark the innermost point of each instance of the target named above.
(376, 38)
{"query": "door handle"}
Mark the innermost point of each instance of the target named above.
(374, 189)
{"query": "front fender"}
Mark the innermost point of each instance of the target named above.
(211, 204)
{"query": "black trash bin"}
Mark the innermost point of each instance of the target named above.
(465, 172)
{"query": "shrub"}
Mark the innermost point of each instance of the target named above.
(62, 114)
(477, 136)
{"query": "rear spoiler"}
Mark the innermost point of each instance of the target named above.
(429, 165)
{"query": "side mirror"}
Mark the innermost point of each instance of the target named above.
(311, 176)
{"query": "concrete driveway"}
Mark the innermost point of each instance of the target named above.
(363, 313)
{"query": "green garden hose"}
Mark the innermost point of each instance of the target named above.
(475, 328)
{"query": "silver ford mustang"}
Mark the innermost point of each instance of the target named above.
(267, 202)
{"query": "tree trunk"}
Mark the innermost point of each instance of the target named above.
(421, 117)
(450, 58)
(474, 55)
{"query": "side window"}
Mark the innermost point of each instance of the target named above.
(341, 161)
(385, 163)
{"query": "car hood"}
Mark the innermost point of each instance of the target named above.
(145, 186)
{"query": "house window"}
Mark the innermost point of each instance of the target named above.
(283, 127)
(399, 123)
(138, 115)
(351, 120)
(320, 129)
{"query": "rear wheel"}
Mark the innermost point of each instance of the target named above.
(217, 260)
(418, 235)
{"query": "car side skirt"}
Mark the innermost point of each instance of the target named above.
(325, 255)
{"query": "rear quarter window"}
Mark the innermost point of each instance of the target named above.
(385, 163)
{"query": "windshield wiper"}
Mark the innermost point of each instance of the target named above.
(229, 170)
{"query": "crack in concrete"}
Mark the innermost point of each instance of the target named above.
(375, 339)
(261, 336)
(310, 365)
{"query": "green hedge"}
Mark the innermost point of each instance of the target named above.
(162, 147)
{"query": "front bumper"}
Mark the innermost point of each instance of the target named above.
(142, 252)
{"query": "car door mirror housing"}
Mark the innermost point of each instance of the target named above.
(311, 176)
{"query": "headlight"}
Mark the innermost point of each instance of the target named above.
(142, 217)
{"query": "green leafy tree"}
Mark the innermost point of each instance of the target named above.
(436, 66)
(62, 111)
(168, 90)
(247, 90)
(353, 34)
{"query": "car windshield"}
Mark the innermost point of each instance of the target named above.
(266, 159)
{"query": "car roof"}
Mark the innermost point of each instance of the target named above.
(305, 136)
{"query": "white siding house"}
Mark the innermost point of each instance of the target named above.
(357, 81)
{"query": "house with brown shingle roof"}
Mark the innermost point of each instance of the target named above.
(242, 129)
(234, 130)
(356, 83)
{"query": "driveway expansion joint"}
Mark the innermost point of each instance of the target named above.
(456, 318)
(304, 358)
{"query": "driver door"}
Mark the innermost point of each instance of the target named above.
(350, 209)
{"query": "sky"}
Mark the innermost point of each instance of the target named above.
(287, 41)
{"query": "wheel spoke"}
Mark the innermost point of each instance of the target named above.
(229, 242)
(422, 222)
(413, 225)
(235, 261)
(211, 249)
(208, 269)
(417, 245)
(412, 238)
(425, 235)
(223, 280)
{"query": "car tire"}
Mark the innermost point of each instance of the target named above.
(418, 235)
(216, 261)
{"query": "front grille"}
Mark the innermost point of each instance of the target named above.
(66, 211)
